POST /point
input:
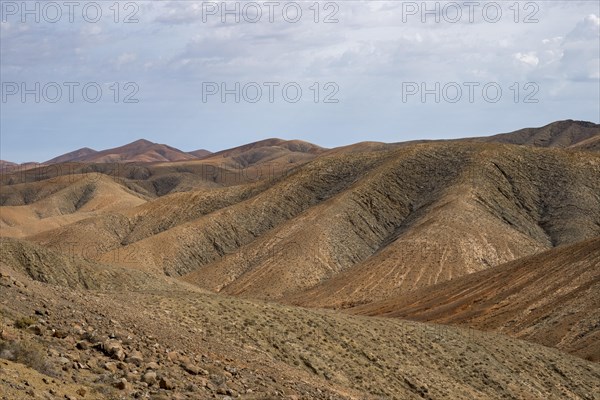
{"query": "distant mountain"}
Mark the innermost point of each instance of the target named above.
(141, 151)
(578, 135)
(201, 153)
(7, 164)
(557, 134)
(268, 150)
(298, 146)
(274, 152)
(76, 155)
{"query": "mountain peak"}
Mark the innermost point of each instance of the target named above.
(141, 142)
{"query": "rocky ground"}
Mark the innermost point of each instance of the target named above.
(183, 343)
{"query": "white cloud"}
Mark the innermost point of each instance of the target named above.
(370, 52)
(530, 58)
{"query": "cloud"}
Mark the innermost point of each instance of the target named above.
(588, 29)
(529, 58)
(574, 56)
(369, 52)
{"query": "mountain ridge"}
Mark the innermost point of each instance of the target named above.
(565, 133)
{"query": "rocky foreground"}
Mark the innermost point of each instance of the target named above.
(183, 343)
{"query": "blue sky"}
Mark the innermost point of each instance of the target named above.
(367, 70)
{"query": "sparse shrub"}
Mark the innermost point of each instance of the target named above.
(27, 353)
(23, 323)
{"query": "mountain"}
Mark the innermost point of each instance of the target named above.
(556, 134)
(5, 165)
(581, 135)
(145, 151)
(389, 222)
(273, 143)
(138, 151)
(276, 153)
(8, 166)
(77, 155)
(353, 225)
(552, 298)
(504, 202)
(201, 153)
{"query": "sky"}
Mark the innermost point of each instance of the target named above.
(215, 75)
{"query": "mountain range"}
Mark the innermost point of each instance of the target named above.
(564, 134)
(465, 268)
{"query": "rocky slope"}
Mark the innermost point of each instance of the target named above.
(182, 343)
(563, 134)
(551, 298)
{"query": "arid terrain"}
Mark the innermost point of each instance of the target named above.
(279, 269)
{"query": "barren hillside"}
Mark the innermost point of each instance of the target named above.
(557, 134)
(45, 205)
(550, 298)
(179, 342)
(349, 227)
(507, 203)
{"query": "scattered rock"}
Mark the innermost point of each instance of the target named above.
(166, 383)
(135, 358)
(131, 376)
(8, 335)
(35, 329)
(82, 345)
(122, 384)
(63, 360)
(114, 349)
(152, 365)
(78, 330)
(172, 356)
(223, 390)
(149, 378)
(59, 333)
(192, 369)
(111, 366)
(53, 353)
